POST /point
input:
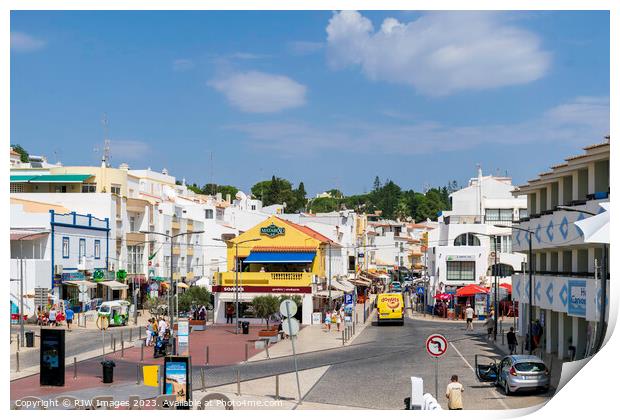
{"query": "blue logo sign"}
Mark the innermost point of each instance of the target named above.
(419, 290)
(577, 298)
(348, 299)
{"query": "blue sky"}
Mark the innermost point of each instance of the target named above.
(330, 99)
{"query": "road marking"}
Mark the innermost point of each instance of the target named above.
(493, 391)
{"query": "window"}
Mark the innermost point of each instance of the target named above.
(253, 206)
(503, 243)
(89, 188)
(501, 270)
(115, 189)
(17, 188)
(65, 247)
(134, 257)
(497, 215)
(97, 249)
(467, 239)
(209, 214)
(82, 248)
(461, 270)
(523, 213)
(132, 224)
(60, 188)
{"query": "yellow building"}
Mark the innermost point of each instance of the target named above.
(275, 257)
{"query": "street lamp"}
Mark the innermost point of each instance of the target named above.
(604, 270)
(530, 261)
(21, 284)
(495, 269)
(173, 285)
(237, 277)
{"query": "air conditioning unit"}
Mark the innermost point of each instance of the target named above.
(58, 269)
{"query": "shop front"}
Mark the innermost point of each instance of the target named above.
(275, 257)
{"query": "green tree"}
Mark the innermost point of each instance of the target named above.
(335, 193)
(324, 205)
(24, 156)
(265, 306)
(260, 189)
(194, 296)
(377, 184)
(300, 200)
(195, 188)
(227, 189)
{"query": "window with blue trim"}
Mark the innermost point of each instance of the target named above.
(97, 249)
(65, 247)
(82, 248)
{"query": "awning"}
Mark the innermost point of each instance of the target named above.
(325, 294)
(346, 283)
(78, 283)
(279, 257)
(595, 229)
(28, 235)
(22, 178)
(361, 282)
(471, 290)
(338, 285)
(114, 285)
(73, 178)
(180, 285)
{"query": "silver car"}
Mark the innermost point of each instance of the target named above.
(514, 373)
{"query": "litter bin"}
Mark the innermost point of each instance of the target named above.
(245, 327)
(108, 371)
(29, 339)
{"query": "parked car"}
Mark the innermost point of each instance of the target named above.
(518, 372)
(396, 287)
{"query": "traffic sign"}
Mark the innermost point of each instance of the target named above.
(290, 311)
(436, 345)
(419, 290)
(348, 299)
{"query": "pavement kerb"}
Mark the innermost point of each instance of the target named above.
(34, 370)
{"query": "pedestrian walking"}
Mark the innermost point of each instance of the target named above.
(454, 394)
(512, 340)
(334, 318)
(328, 321)
(69, 314)
(489, 324)
(338, 319)
(52, 317)
(469, 315)
(537, 332)
(162, 327)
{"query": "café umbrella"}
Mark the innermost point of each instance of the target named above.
(471, 290)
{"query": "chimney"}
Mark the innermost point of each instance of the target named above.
(124, 166)
(164, 171)
(228, 198)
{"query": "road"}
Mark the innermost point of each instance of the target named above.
(374, 372)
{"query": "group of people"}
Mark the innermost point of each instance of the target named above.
(55, 316)
(200, 314)
(156, 328)
(335, 317)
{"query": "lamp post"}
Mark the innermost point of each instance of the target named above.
(237, 277)
(495, 269)
(173, 284)
(529, 265)
(604, 270)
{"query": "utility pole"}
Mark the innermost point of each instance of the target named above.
(329, 274)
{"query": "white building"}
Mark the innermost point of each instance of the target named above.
(460, 249)
(566, 270)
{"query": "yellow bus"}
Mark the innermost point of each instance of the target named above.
(390, 308)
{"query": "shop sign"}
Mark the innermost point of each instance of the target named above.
(272, 230)
(577, 298)
(73, 276)
(264, 289)
(461, 258)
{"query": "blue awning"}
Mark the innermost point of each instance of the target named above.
(279, 257)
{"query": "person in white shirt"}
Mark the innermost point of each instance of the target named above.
(469, 315)
(162, 326)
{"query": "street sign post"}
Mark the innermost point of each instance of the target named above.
(436, 346)
(183, 337)
(288, 309)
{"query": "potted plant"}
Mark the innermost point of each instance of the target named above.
(265, 307)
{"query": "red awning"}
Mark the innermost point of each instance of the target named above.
(443, 296)
(471, 290)
(506, 286)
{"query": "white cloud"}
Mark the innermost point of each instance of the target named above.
(182, 64)
(439, 53)
(247, 56)
(258, 92)
(22, 42)
(578, 122)
(305, 47)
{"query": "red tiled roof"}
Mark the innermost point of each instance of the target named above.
(310, 232)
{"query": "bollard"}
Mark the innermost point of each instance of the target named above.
(122, 340)
(138, 374)
(18, 346)
(343, 338)
(122, 348)
(246, 352)
(207, 356)
(277, 387)
(17, 361)
(139, 333)
(142, 351)
(75, 368)
(267, 348)
(238, 383)
(202, 378)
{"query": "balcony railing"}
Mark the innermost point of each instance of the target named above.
(264, 279)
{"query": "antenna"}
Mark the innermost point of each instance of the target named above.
(105, 158)
(211, 172)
